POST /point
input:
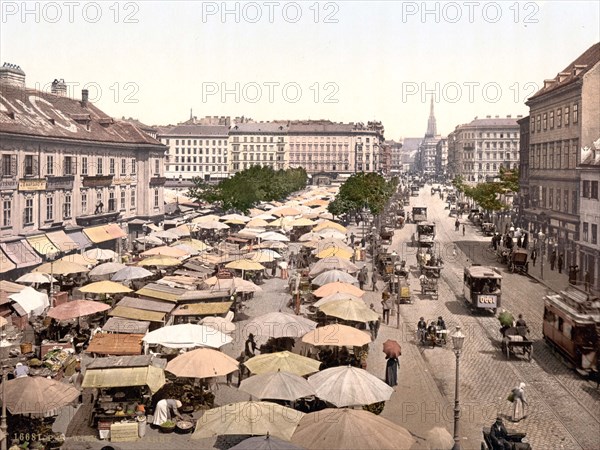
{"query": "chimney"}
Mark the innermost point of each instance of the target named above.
(59, 88)
(12, 75)
(496, 117)
(508, 116)
(84, 97)
(488, 117)
(519, 116)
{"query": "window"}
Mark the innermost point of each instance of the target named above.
(132, 198)
(585, 231)
(594, 234)
(575, 112)
(49, 208)
(545, 121)
(157, 166)
(68, 168)
(551, 120)
(28, 212)
(123, 167)
(559, 118)
(6, 212)
(566, 116)
(133, 166)
(84, 165)
(574, 150)
(67, 207)
(99, 168)
(111, 166)
(594, 190)
(551, 198)
(111, 202)
(586, 189)
(532, 125)
(84, 202)
(29, 165)
(122, 199)
(574, 203)
(558, 199)
(566, 201)
(49, 165)
(156, 203)
(539, 123)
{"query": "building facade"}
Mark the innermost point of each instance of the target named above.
(477, 150)
(564, 119)
(67, 165)
(258, 144)
(441, 159)
(196, 151)
(522, 200)
(396, 166)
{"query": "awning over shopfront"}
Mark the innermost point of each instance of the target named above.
(116, 344)
(203, 309)
(161, 292)
(146, 304)
(5, 263)
(62, 241)
(21, 253)
(150, 376)
(80, 239)
(104, 233)
(137, 314)
(42, 244)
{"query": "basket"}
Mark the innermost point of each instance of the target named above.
(26, 347)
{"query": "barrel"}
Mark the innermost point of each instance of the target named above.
(26, 347)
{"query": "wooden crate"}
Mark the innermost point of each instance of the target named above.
(124, 432)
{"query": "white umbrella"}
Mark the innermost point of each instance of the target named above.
(219, 323)
(36, 277)
(331, 233)
(349, 386)
(273, 236)
(337, 296)
(239, 217)
(33, 302)
(151, 240)
(165, 235)
(278, 324)
(212, 225)
(106, 269)
(100, 254)
(277, 386)
(187, 336)
(334, 275)
(309, 237)
(131, 273)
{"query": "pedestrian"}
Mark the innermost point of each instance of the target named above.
(499, 436)
(250, 346)
(456, 225)
(165, 410)
(283, 266)
(464, 229)
(374, 325)
(573, 274)
(352, 238)
(242, 368)
(519, 402)
(454, 251)
(391, 371)
(552, 259)
(587, 280)
(561, 260)
(362, 279)
(533, 256)
(385, 304)
(374, 280)
(519, 242)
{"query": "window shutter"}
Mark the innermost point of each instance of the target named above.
(35, 166)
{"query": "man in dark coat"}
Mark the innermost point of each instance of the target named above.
(552, 259)
(561, 261)
(533, 256)
(499, 436)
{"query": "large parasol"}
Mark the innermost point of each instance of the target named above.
(76, 308)
(37, 395)
(284, 361)
(391, 348)
(337, 335)
(277, 386)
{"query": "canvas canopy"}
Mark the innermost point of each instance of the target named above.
(150, 376)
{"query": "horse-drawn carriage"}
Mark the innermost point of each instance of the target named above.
(488, 228)
(429, 286)
(401, 288)
(386, 235)
(517, 260)
(503, 254)
(515, 340)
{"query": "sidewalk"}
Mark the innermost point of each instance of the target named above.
(551, 278)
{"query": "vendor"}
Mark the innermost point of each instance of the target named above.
(21, 370)
(165, 410)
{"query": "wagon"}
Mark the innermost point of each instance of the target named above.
(516, 341)
(404, 293)
(429, 286)
(517, 261)
(432, 271)
(488, 228)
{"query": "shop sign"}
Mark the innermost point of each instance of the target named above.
(33, 184)
(55, 183)
(125, 180)
(158, 181)
(97, 181)
(8, 184)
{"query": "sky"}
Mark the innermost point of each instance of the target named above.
(346, 61)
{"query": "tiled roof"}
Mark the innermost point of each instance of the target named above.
(198, 130)
(259, 127)
(36, 113)
(493, 122)
(585, 61)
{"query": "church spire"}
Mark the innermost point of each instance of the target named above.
(431, 126)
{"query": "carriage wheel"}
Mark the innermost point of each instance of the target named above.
(507, 351)
(512, 268)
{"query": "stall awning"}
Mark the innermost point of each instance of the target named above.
(21, 253)
(125, 326)
(5, 263)
(97, 234)
(153, 227)
(137, 314)
(80, 239)
(62, 241)
(166, 293)
(115, 231)
(146, 304)
(203, 309)
(116, 344)
(150, 376)
(42, 244)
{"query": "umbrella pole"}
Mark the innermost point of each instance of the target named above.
(3, 424)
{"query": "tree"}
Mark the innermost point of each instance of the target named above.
(363, 190)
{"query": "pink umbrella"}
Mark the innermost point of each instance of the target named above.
(76, 308)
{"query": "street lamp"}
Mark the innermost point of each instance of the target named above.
(3, 423)
(542, 240)
(457, 341)
(51, 257)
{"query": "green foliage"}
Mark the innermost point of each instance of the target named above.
(249, 187)
(486, 194)
(361, 190)
(509, 179)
